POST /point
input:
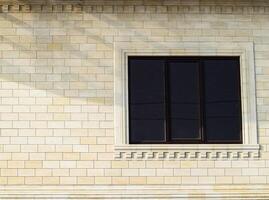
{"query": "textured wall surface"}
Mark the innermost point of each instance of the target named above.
(56, 91)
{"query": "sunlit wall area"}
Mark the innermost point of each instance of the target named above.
(57, 89)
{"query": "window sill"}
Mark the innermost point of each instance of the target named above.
(186, 151)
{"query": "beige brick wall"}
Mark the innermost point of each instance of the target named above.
(56, 89)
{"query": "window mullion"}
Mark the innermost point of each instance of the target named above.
(202, 103)
(166, 99)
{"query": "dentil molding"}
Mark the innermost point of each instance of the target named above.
(76, 6)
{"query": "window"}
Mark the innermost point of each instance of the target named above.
(215, 129)
(184, 100)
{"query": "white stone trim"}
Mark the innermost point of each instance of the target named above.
(245, 50)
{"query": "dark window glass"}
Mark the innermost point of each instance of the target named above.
(184, 100)
(222, 100)
(147, 106)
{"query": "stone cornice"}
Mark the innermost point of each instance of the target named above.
(203, 9)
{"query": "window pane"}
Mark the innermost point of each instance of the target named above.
(146, 100)
(222, 100)
(184, 99)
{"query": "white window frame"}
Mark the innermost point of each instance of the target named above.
(124, 150)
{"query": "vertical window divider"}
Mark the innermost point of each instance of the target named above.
(166, 94)
(202, 102)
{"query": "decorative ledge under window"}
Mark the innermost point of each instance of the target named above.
(124, 150)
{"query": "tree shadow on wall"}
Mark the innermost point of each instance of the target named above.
(70, 69)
